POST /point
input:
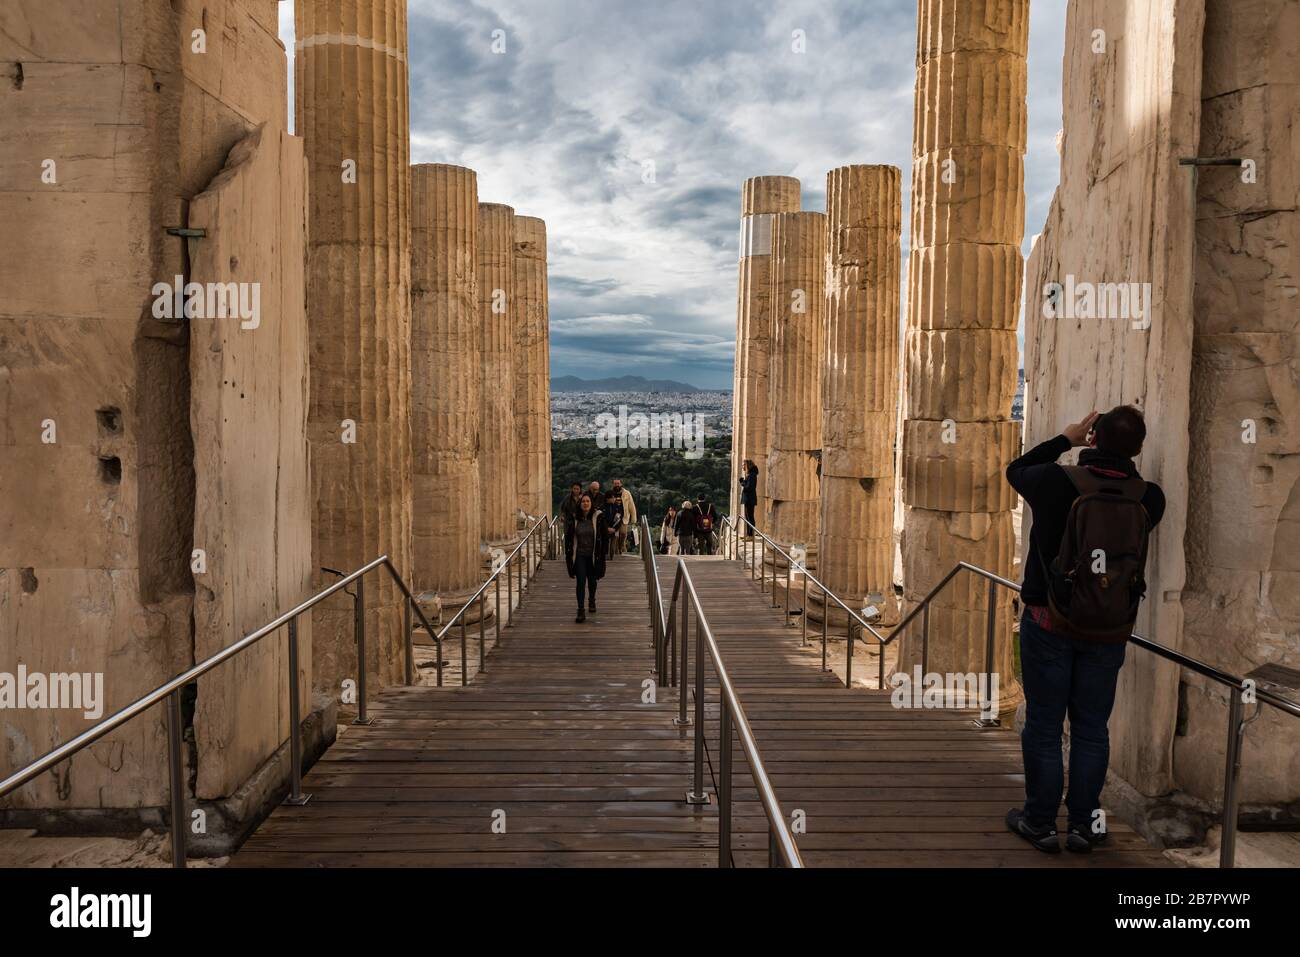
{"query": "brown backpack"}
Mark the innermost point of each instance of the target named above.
(1096, 582)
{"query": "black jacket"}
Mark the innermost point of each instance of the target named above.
(1049, 492)
(571, 542)
(569, 507)
(686, 522)
(749, 488)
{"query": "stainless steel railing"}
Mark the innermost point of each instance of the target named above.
(654, 591)
(1242, 693)
(758, 571)
(537, 544)
(781, 847)
(533, 550)
(171, 693)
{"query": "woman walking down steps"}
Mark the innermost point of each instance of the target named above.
(586, 543)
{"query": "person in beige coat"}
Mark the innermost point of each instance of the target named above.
(629, 517)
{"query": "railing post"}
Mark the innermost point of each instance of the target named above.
(848, 642)
(788, 571)
(880, 649)
(826, 614)
(724, 784)
(697, 794)
(990, 628)
(925, 639)
(773, 855)
(803, 614)
(1231, 768)
(464, 667)
(359, 630)
(510, 595)
(681, 633)
(295, 717)
(177, 767)
(408, 642)
(482, 636)
(500, 623)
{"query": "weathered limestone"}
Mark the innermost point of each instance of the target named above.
(350, 81)
(498, 468)
(163, 512)
(860, 387)
(761, 198)
(797, 286)
(1215, 356)
(967, 223)
(532, 366)
(445, 359)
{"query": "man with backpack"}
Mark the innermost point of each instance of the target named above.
(706, 518)
(1083, 582)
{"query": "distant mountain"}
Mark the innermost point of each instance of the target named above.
(625, 383)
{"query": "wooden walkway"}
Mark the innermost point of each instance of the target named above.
(878, 786)
(553, 734)
(553, 741)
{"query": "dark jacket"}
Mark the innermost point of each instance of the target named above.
(1047, 490)
(749, 488)
(569, 507)
(613, 515)
(686, 522)
(571, 542)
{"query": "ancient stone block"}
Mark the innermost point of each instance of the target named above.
(968, 375)
(445, 385)
(959, 466)
(248, 415)
(498, 468)
(948, 26)
(968, 194)
(946, 83)
(964, 286)
(934, 542)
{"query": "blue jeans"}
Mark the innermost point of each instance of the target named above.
(1065, 676)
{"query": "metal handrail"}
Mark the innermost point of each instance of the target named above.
(781, 847)
(171, 690)
(658, 625)
(534, 554)
(1236, 702)
(791, 562)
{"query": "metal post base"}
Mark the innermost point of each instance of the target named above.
(693, 798)
(987, 723)
(683, 723)
(368, 721)
(297, 801)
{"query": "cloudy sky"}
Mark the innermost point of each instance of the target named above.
(591, 97)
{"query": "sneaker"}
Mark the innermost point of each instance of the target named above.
(1080, 839)
(582, 616)
(1044, 838)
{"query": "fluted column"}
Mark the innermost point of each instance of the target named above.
(350, 82)
(532, 366)
(761, 198)
(860, 386)
(445, 359)
(798, 290)
(964, 283)
(499, 493)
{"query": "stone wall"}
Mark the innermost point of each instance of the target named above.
(1122, 214)
(98, 520)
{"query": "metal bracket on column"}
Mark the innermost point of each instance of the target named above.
(186, 232)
